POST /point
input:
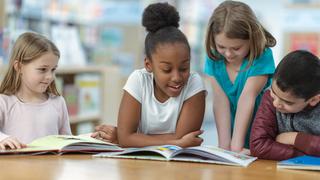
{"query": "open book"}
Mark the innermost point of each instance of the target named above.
(59, 144)
(192, 154)
(301, 162)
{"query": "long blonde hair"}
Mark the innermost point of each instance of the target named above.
(237, 20)
(28, 47)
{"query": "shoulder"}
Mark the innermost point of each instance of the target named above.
(5, 99)
(140, 74)
(55, 99)
(266, 56)
(212, 65)
(195, 77)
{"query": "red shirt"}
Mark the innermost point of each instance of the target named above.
(265, 130)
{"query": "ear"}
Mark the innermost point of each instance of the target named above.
(17, 65)
(314, 100)
(148, 64)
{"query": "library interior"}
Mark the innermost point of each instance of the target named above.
(102, 42)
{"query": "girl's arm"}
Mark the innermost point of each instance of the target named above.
(221, 109)
(190, 119)
(245, 108)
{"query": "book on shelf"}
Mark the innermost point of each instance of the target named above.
(302, 162)
(203, 154)
(59, 144)
(89, 94)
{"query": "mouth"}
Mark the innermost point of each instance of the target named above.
(176, 88)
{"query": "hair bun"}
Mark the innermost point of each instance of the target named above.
(160, 15)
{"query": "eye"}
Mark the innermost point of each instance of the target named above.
(54, 69)
(166, 70)
(42, 69)
(184, 69)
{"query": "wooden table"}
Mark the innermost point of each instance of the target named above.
(76, 167)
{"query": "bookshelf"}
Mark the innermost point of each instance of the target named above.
(107, 92)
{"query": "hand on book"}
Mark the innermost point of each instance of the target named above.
(106, 133)
(191, 139)
(11, 143)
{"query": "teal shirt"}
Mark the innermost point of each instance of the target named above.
(263, 65)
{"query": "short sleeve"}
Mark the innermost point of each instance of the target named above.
(195, 85)
(64, 123)
(209, 66)
(3, 109)
(264, 64)
(134, 85)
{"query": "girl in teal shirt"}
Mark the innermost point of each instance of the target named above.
(241, 63)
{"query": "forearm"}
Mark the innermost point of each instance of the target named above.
(308, 144)
(141, 140)
(3, 136)
(242, 121)
(223, 123)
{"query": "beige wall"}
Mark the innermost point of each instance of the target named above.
(2, 14)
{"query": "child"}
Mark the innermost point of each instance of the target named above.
(241, 63)
(287, 123)
(30, 105)
(163, 103)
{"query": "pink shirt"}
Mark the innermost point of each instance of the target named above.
(28, 121)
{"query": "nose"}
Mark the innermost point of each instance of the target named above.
(277, 103)
(176, 76)
(228, 53)
(50, 75)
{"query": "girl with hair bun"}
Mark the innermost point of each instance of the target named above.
(164, 102)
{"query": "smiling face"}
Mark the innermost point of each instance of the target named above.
(234, 50)
(286, 102)
(37, 75)
(170, 66)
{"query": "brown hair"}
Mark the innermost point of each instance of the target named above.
(237, 20)
(28, 47)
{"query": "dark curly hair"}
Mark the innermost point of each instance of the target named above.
(161, 21)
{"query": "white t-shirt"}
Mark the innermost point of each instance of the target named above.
(28, 121)
(157, 117)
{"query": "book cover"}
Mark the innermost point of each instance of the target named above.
(89, 94)
(203, 154)
(301, 162)
(59, 144)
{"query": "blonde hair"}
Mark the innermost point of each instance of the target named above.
(28, 47)
(237, 21)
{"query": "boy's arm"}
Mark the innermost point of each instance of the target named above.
(308, 144)
(264, 132)
(221, 112)
(245, 108)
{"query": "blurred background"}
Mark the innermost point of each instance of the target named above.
(101, 43)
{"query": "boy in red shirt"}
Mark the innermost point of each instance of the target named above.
(287, 123)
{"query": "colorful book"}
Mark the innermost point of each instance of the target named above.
(203, 154)
(59, 144)
(301, 162)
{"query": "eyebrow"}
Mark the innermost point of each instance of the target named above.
(183, 62)
(289, 102)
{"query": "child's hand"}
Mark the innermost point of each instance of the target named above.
(287, 138)
(245, 151)
(191, 139)
(106, 133)
(11, 143)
